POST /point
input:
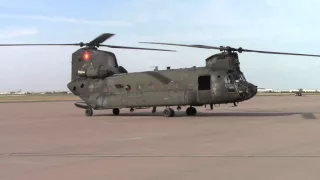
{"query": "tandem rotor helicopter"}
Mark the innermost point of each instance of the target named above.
(102, 84)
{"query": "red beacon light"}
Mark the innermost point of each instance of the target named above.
(128, 88)
(86, 56)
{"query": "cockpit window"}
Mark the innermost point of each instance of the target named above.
(231, 77)
(228, 79)
(242, 78)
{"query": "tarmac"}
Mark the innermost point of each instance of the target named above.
(263, 138)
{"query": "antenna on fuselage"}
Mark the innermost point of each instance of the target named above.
(155, 68)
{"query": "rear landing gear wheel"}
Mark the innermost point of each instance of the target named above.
(168, 112)
(89, 112)
(191, 111)
(116, 111)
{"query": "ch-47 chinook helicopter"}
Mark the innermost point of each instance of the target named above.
(102, 84)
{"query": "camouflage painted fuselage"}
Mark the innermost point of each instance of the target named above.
(194, 86)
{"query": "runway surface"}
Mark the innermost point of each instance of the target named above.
(263, 138)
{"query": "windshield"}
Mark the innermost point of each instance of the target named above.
(241, 77)
(231, 77)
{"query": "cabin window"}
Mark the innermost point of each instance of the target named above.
(119, 86)
(204, 83)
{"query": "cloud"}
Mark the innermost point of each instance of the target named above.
(12, 33)
(63, 19)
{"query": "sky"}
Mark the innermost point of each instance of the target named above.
(289, 26)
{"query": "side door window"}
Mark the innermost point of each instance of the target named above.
(228, 79)
(204, 82)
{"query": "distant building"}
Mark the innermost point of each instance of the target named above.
(294, 90)
(309, 90)
(264, 90)
(303, 90)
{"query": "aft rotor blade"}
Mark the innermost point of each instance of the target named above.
(72, 44)
(184, 45)
(138, 48)
(100, 39)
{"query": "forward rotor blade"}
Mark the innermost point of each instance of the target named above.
(282, 53)
(72, 44)
(138, 48)
(184, 45)
(227, 48)
(100, 39)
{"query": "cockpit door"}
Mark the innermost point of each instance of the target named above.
(204, 89)
(230, 84)
(235, 83)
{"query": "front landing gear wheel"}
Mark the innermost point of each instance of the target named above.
(116, 111)
(168, 112)
(89, 112)
(191, 111)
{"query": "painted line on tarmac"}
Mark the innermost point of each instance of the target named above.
(164, 155)
(38, 101)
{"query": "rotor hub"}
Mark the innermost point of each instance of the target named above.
(81, 44)
(230, 49)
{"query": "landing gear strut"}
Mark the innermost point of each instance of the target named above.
(154, 109)
(211, 106)
(168, 112)
(116, 111)
(191, 111)
(89, 112)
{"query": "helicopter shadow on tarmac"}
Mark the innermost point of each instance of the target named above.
(304, 115)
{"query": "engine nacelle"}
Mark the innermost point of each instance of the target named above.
(223, 60)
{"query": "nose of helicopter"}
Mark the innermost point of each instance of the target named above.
(254, 89)
(248, 91)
